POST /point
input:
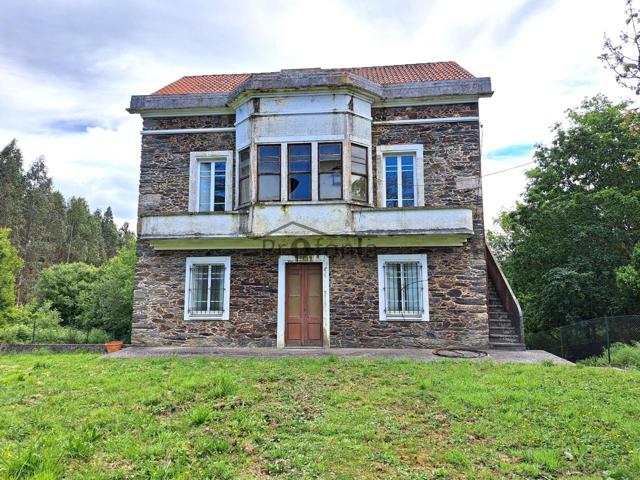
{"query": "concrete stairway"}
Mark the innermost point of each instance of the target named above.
(502, 333)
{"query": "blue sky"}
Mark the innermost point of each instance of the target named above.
(68, 68)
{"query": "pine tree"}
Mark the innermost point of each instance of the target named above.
(11, 188)
(110, 235)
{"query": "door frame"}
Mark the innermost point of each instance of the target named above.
(282, 271)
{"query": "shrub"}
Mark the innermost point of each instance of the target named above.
(19, 323)
(622, 355)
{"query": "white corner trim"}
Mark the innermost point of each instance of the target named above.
(194, 175)
(417, 121)
(226, 261)
(418, 257)
(174, 131)
(417, 149)
(282, 264)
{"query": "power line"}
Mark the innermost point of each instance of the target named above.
(507, 169)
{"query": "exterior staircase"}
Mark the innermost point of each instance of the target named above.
(505, 316)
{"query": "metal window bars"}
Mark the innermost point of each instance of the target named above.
(403, 289)
(206, 290)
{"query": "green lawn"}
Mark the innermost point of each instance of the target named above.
(76, 416)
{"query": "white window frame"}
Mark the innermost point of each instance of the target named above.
(226, 287)
(195, 158)
(400, 258)
(417, 150)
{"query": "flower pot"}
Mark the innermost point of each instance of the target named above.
(113, 346)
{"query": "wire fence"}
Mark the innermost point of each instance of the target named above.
(588, 338)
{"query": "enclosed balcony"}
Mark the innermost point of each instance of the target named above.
(316, 225)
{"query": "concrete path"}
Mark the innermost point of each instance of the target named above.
(502, 356)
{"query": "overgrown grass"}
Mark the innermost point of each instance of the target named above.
(79, 417)
(622, 355)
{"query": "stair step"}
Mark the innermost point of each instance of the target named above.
(501, 338)
(507, 346)
(502, 330)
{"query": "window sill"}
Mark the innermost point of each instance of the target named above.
(407, 318)
(206, 318)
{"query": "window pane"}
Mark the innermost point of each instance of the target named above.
(245, 164)
(393, 287)
(359, 188)
(268, 164)
(219, 191)
(245, 190)
(204, 195)
(330, 157)
(199, 288)
(408, 183)
(391, 180)
(217, 288)
(269, 187)
(300, 187)
(358, 153)
(412, 287)
(330, 186)
(359, 168)
(330, 168)
(299, 158)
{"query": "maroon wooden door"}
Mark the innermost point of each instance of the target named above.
(303, 308)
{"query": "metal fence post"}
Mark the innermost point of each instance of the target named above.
(606, 322)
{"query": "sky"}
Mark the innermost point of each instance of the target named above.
(69, 67)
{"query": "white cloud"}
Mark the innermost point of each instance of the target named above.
(64, 95)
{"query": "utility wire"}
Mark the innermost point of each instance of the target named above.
(507, 169)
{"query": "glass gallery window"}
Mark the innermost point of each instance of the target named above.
(244, 176)
(268, 172)
(359, 188)
(330, 171)
(299, 158)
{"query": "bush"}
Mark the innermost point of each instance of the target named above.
(17, 326)
(622, 355)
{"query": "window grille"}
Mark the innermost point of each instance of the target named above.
(403, 289)
(206, 290)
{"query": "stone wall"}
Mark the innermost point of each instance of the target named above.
(456, 300)
(164, 169)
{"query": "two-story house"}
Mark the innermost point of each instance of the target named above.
(317, 207)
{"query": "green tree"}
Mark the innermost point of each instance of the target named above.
(84, 233)
(623, 58)
(65, 287)
(628, 280)
(10, 264)
(579, 219)
(110, 234)
(109, 304)
(11, 188)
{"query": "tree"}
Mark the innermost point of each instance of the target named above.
(109, 304)
(110, 234)
(579, 220)
(84, 233)
(65, 287)
(628, 280)
(10, 264)
(624, 58)
(11, 187)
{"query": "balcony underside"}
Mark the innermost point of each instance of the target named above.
(309, 226)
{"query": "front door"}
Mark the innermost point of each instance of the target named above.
(303, 309)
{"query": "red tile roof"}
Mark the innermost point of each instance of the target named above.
(384, 75)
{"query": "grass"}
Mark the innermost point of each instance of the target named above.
(622, 355)
(79, 417)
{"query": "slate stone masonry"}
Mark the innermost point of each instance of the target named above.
(457, 275)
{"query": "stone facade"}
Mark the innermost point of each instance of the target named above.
(456, 275)
(456, 300)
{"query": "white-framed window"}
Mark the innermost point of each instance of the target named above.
(207, 284)
(210, 181)
(403, 287)
(401, 175)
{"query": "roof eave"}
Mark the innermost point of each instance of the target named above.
(290, 82)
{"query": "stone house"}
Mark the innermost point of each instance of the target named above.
(320, 208)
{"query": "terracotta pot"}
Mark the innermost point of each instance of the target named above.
(113, 346)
